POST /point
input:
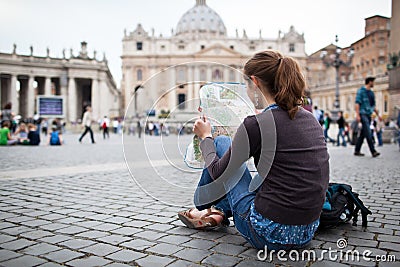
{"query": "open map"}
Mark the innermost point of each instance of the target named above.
(225, 105)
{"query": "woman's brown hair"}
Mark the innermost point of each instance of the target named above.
(281, 76)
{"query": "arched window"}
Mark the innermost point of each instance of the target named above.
(139, 75)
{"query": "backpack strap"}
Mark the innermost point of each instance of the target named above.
(359, 206)
(355, 215)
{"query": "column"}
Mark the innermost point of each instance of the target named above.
(209, 73)
(151, 91)
(172, 105)
(95, 99)
(105, 99)
(197, 85)
(72, 102)
(30, 107)
(14, 94)
(190, 79)
(47, 86)
(64, 94)
(225, 75)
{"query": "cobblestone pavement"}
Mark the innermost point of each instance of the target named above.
(77, 205)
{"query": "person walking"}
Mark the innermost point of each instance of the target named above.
(365, 106)
(280, 209)
(87, 122)
(341, 125)
(380, 125)
(115, 124)
(139, 128)
(104, 126)
(327, 125)
(318, 115)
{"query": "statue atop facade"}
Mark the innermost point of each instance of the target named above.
(31, 48)
(83, 52)
(14, 48)
(48, 52)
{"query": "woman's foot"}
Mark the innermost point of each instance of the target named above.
(205, 219)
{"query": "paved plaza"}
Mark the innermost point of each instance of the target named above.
(78, 205)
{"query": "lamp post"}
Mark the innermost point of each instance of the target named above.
(335, 61)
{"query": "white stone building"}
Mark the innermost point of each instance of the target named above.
(199, 39)
(81, 80)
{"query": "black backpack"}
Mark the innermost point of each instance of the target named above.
(342, 205)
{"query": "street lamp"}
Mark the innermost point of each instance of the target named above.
(335, 61)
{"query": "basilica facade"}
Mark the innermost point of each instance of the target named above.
(165, 73)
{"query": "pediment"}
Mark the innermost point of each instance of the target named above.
(217, 51)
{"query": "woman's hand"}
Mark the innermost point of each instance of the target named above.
(202, 128)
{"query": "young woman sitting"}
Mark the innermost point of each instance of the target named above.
(280, 207)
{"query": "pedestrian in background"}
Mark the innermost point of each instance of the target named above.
(45, 125)
(327, 125)
(365, 106)
(55, 137)
(115, 125)
(6, 113)
(87, 123)
(5, 135)
(380, 124)
(318, 115)
(341, 125)
(33, 135)
(104, 126)
(22, 134)
(139, 128)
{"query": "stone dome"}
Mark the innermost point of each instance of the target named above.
(201, 19)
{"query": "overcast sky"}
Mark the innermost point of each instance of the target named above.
(60, 24)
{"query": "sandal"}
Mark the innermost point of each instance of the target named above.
(204, 222)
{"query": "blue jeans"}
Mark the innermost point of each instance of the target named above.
(379, 136)
(327, 138)
(365, 133)
(237, 203)
(341, 134)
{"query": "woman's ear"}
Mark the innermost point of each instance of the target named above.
(255, 81)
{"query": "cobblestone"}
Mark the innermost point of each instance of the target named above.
(87, 211)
